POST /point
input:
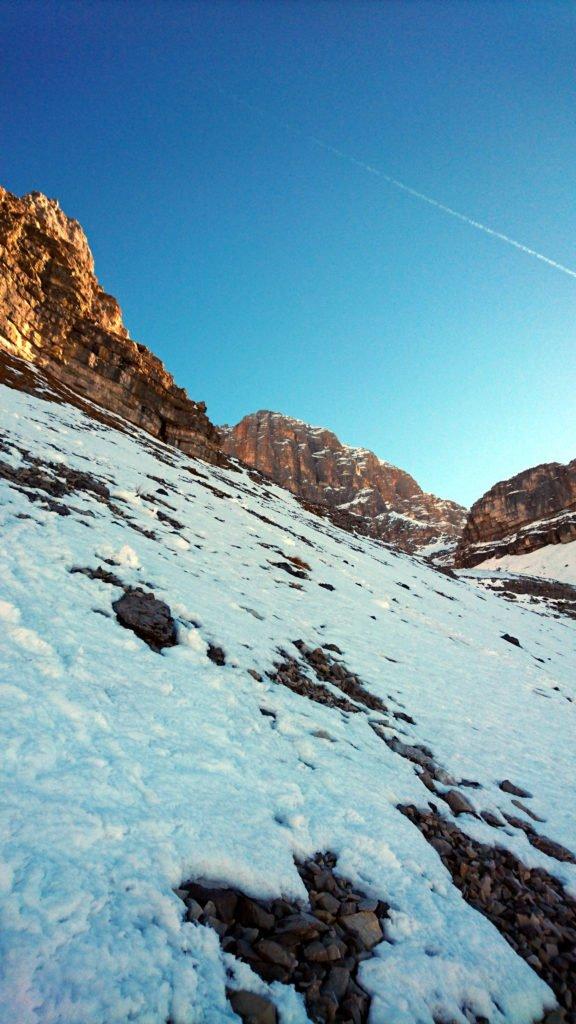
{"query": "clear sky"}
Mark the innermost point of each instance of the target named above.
(268, 272)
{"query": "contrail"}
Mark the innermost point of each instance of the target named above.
(402, 186)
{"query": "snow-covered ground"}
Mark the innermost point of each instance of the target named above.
(125, 771)
(552, 562)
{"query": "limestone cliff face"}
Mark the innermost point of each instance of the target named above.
(379, 498)
(53, 312)
(534, 508)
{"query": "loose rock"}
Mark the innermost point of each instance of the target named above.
(318, 951)
(147, 617)
(252, 1008)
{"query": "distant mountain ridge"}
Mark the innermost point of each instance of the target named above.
(55, 314)
(531, 510)
(312, 463)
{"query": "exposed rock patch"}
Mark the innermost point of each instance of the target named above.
(317, 948)
(289, 673)
(327, 669)
(252, 1008)
(98, 574)
(559, 598)
(528, 906)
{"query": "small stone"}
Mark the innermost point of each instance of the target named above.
(368, 904)
(511, 639)
(491, 819)
(193, 910)
(324, 916)
(441, 846)
(223, 901)
(275, 953)
(327, 902)
(337, 981)
(458, 803)
(245, 951)
(299, 928)
(365, 926)
(252, 1008)
(271, 972)
(555, 1017)
(216, 654)
(326, 1007)
(325, 881)
(219, 927)
(348, 907)
(508, 787)
(526, 810)
(281, 908)
(251, 913)
(485, 887)
(316, 952)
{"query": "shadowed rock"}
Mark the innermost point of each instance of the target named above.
(148, 617)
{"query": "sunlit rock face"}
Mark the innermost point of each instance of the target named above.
(53, 312)
(531, 510)
(354, 483)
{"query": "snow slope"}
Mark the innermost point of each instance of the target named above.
(125, 771)
(552, 562)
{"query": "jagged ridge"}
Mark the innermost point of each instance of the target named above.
(313, 464)
(53, 312)
(531, 510)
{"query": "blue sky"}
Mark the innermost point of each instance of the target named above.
(270, 273)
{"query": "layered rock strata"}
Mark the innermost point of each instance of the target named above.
(531, 510)
(54, 313)
(353, 483)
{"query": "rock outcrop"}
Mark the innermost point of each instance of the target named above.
(313, 464)
(534, 508)
(53, 312)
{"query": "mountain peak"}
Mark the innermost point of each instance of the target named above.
(53, 312)
(317, 467)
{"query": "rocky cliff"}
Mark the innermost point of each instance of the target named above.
(379, 498)
(53, 312)
(535, 508)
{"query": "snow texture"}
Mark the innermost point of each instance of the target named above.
(125, 771)
(553, 562)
